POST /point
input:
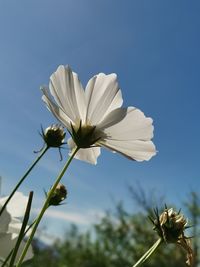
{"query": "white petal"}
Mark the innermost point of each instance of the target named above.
(135, 150)
(58, 113)
(5, 219)
(17, 205)
(102, 96)
(112, 118)
(134, 126)
(15, 226)
(7, 243)
(80, 97)
(68, 92)
(89, 155)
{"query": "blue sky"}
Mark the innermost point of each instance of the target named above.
(153, 46)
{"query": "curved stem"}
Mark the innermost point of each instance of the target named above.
(148, 253)
(44, 208)
(23, 178)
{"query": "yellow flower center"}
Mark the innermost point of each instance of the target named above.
(85, 135)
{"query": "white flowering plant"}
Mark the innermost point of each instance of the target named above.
(95, 119)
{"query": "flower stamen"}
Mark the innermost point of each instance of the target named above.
(84, 136)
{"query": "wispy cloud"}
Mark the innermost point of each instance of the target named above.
(84, 219)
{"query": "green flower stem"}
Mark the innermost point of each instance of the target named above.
(23, 178)
(148, 253)
(44, 208)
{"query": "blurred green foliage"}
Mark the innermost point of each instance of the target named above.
(118, 240)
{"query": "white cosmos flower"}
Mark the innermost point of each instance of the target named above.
(10, 226)
(94, 116)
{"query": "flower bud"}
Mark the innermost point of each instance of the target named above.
(54, 135)
(58, 196)
(170, 226)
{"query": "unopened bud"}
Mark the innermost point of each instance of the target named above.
(58, 196)
(54, 135)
